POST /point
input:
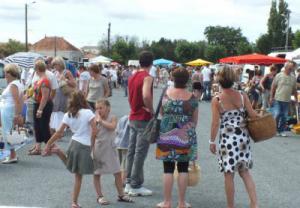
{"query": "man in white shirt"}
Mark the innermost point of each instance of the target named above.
(153, 73)
(84, 78)
(206, 76)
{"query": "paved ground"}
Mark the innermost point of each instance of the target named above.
(44, 182)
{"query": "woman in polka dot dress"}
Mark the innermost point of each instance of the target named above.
(234, 151)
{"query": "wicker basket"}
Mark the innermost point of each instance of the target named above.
(194, 174)
(262, 128)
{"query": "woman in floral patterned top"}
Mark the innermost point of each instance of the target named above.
(178, 141)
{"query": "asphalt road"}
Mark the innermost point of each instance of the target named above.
(44, 182)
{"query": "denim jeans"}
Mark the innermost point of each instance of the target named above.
(280, 111)
(125, 86)
(207, 90)
(137, 153)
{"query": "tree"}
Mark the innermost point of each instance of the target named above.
(186, 51)
(296, 40)
(124, 47)
(263, 44)
(277, 24)
(214, 52)
(244, 48)
(164, 48)
(11, 47)
(228, 37)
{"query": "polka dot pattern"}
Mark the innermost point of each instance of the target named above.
(234, 142)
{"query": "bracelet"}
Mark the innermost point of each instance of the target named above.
(39, 111)
(211, 142)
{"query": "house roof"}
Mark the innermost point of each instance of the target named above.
(48, 44)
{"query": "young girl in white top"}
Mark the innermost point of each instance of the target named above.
(80, 119)
(104, 153)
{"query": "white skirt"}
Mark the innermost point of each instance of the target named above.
(56, 120)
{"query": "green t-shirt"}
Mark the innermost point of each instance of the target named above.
(285, 86)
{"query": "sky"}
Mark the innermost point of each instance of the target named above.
(85, 22)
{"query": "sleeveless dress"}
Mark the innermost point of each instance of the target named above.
(177, 114)
(234, 151)
(105, 156)
(60, 103)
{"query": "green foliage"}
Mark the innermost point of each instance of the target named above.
(11, 47)
(186, 51)
(263, 44)
(244, 48)
(214, 52)
(277, 24)
(296, 40)
(228, 37)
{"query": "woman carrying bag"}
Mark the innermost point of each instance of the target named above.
(233, 146)
(11, 107)
(177, 143)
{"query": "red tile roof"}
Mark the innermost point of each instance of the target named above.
(48, 44)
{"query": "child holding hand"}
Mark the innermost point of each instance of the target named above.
(80, 119)
(104, 152)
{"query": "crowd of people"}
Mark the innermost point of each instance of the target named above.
(56, 100)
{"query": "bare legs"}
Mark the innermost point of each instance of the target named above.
(249, 184)
(168, 185)
(229, 189)
(13, 154)
(182, 184)
(250, 187)
(118, 183)
(97, 185)
(77, 186)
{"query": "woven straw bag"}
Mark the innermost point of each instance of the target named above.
(262, 128)
(194, 174)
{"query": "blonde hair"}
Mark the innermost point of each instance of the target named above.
(13, 70)
(59, 61)
(103, 102)
(40, 65)
(226, 76)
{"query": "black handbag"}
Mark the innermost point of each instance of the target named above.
(151, 132)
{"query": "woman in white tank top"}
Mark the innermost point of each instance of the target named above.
(11, 107)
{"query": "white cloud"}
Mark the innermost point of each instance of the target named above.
(84, 22)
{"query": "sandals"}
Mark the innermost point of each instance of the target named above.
(186, 205)
(161, 205)
(102, 201)
(125, 198)
(31, 149)
(75, 205)
(35, 152)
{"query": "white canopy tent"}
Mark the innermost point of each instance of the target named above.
(101, 60)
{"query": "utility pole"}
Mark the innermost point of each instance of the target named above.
(26, 30)
(54, 46)
(287, 31)
(108, 39)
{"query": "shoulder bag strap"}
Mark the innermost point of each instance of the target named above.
(160, 101)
